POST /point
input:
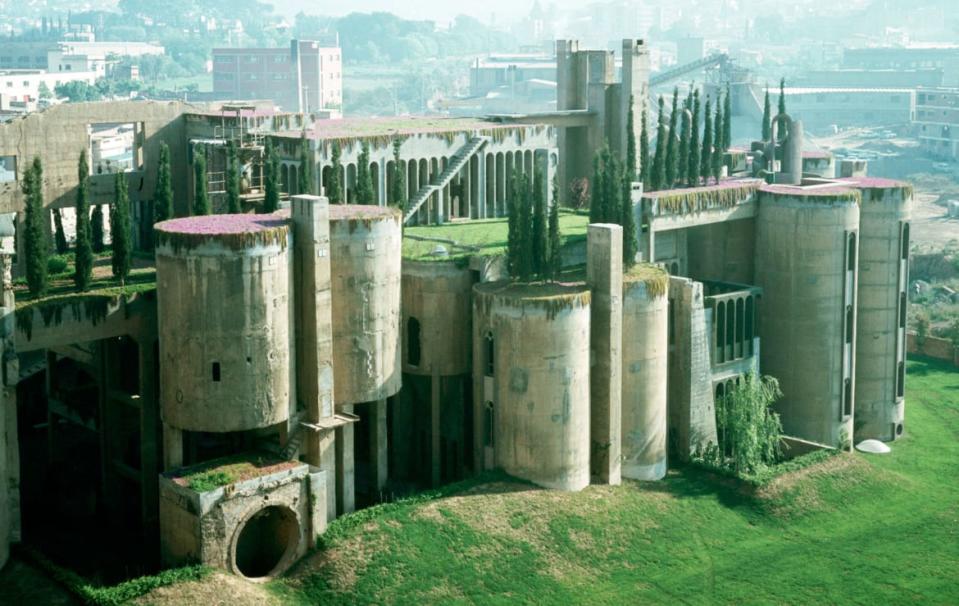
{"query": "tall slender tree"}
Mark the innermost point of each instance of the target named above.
(612, 188)
(59, 236)
(36, 244)
(628, 220)
(398, 182)
(672, 145)
(706, 158)
(84, 253)
(364, 184)
(538, 235)
(596, 200)
(232, 179)
(782, 96)
(513, 230)
(163, 196)
(525, 222)
(201, 199)
(630, 168)
(96, 229)
(716, 165)
(555, 241)
(767, 117)
(271, 179)
(685, 132)
(334, 184)
(657, 179)
(727, 120)
(305, 177)
(120, 229)
(644, 167)
(692, 165)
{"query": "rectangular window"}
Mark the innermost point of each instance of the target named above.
(115, 147)
(847, 398)
(216, 372)
(8, 169)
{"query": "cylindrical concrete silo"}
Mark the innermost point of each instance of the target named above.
(531, 366)
(645, 362)
(365, 258)
(225, 311)
(436, 318)
(882, 301)
(806, 258)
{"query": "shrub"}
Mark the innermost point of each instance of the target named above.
(57, 264)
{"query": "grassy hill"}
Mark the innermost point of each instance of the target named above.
(855, 530)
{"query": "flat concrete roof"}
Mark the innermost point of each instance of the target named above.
(401, 125)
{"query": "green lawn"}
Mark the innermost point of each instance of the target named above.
(486, 237)
(856, 530)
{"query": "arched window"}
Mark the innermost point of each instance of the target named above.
(847, 398)
(849, 324)
(488, 431)
(902, 310)
(851, 253)
(904, 253)
(488, 343)
(413, 347)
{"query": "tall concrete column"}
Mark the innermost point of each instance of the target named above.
(379, 448)
(604, 274)
(345, 464)
(314, 327)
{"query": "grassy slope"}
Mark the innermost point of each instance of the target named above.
(861, 530)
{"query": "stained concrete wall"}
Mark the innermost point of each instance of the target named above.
(881, 309)
(438, 296)
(538, 394)
(230, 306)
(721, 251)
(801, 265)
(365, 257)
(644, 376)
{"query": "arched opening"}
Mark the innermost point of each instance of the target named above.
(851, 253)
(375, 181)
(266, 542)
(488, 426)
(720, 331)
(489, 354)
(749, 326)
(849, 324)
(904, 253)
(413, 348)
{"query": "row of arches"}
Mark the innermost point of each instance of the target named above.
(734, 327)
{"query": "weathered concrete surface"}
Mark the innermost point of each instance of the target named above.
(437, 296)
(604, 275)
(206, 527)
(722, 252)
(692, 411)
(345, 466)
(366, 252)
(314, 330)
(881, 310)
(801, 265)
(9, 442)
(645, 365)
(538, 395)
(226, 348)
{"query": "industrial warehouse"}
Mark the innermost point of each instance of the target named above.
(278, 370)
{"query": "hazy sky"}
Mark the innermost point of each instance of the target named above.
(436, 10)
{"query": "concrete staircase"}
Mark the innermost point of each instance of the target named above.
(457, 162)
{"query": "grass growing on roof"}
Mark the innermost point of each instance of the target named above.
(851, 529)
(486, 237)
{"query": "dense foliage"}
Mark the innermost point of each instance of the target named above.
(364, 179)
(232, 179)
(120, 233)
(36, 244)
(398, 180)
(271, 178)
(201, 199)
(84, 252)
(305, 185)
(333, 183)
(532, 247)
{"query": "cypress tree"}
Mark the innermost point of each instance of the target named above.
(767, 117)
(684, 135)
(706, 158)
(555, 244)
(163, 196)
(398, 184)
(782, 96)
(657, 179)
(59, 237)
(692, 165)
(727, 120)
(201, 200)
(538, 233)
(630, 169)
(271, 179)
(364, 185)
(334, 185)
(672, 162)
(120, 229)
(305, 178)
(36, 246)
(628, 221)
(513, 231)
(644, 167)
(96, 229)
(84, 253)
(524, 224)
(596, 190)
(232, 179)
(612, 189)
(717, 157)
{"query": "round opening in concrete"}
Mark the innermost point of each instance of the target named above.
(899, 429)
(266, 543)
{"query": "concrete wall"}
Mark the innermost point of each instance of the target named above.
(881, 310)
(537, 396)
(225, 317)
(645, 367)
(808, 343)
(933, 347)
(365, 258)
(438, 296)
(721, 251)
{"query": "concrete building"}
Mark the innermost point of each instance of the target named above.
(285, 369)
(819, 108)
(912, 57)
(24, 85)
(84, 56)
(937, 122)
(306, 77)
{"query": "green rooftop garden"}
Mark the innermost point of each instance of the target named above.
(484, 238)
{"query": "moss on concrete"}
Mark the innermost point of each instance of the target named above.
(229, 470)
(653, 277)
(696, 199)
(552, 297)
